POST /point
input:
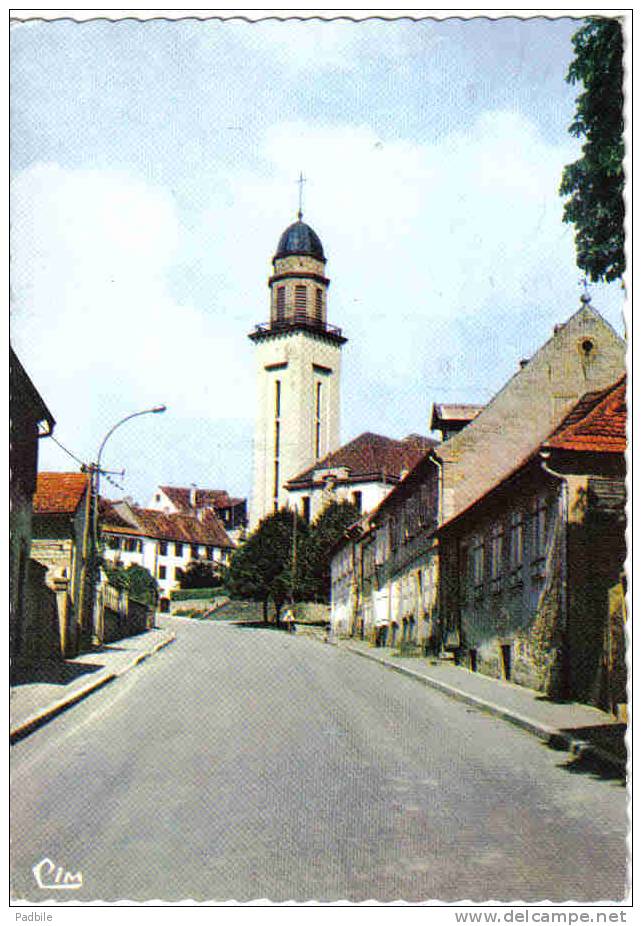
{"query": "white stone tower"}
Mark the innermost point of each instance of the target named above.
(298, 371)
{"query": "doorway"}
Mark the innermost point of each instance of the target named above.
(505, 650)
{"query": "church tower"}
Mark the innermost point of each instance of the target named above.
(298, 371)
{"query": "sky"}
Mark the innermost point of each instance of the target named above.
(154, 168)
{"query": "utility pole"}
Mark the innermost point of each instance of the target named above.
(98, 630)
(294, 564)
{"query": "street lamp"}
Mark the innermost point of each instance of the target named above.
(95, 493)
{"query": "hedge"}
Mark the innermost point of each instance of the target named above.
(184, 594)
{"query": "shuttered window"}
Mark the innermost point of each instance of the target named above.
(280, 303)
(300, 298)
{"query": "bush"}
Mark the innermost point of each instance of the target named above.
(185, 594)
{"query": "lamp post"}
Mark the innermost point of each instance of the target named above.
(95, 494)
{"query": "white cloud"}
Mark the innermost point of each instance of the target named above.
(93, 310)
(443, 257)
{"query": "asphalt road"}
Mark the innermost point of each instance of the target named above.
(245, 764)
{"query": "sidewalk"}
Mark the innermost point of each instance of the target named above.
(40, 692)
(578, 728)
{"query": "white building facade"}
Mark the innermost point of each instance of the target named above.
(164, 544)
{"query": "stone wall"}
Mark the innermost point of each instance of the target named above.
(196, 604)
(43, 635)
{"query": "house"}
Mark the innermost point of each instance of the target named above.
(385, 578)
(63, 544)
(29, 420)
(180, 500)
(582, 354)
(404, 576)
(451, 419)
(362, 471)
(163, 543)
(530, 567)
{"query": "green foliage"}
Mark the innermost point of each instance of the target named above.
(137, 581)
(595, 183)
(327, 529)
(200, 574)
(265, 569)
(198, 594)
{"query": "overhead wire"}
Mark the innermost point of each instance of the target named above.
(68, 452)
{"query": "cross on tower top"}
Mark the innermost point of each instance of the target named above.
(300, 182)
(585, 298)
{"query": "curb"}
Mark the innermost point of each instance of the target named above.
(550, 735)
(23, 729)
(143, 656)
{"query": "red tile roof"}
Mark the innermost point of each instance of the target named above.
(371, 456)
(205, 498)
(184, 528)
(59, 493)
(597, 423)
(109, 515)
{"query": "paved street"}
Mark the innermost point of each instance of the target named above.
(241, 763)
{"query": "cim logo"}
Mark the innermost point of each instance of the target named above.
(51, 877)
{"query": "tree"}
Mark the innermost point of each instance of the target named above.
(595, 183)
(327, 529)
(141, 584)
(135, 580)
(265, 569)
(200, 573)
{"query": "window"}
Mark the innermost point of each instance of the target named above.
(394, 539)
(162, 572)
(209, 552)
(496, 551)
(178, 549)
(157, 497)
(465, 575)
(478, 564)
(178, 572)
(305, 508)
(162, 548)
(539, 529)
(516, 546)
(319, 304)
(356, 500)
(193, 550)
(300, 298)
(277, 398)
(280, 303)
(114, 543)
(317, 422)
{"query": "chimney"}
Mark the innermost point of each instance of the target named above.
(523, 363)
(192, 496)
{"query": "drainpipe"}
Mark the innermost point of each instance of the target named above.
(544, 456)
(440, 488)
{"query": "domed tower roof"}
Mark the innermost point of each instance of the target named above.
(299, 238)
